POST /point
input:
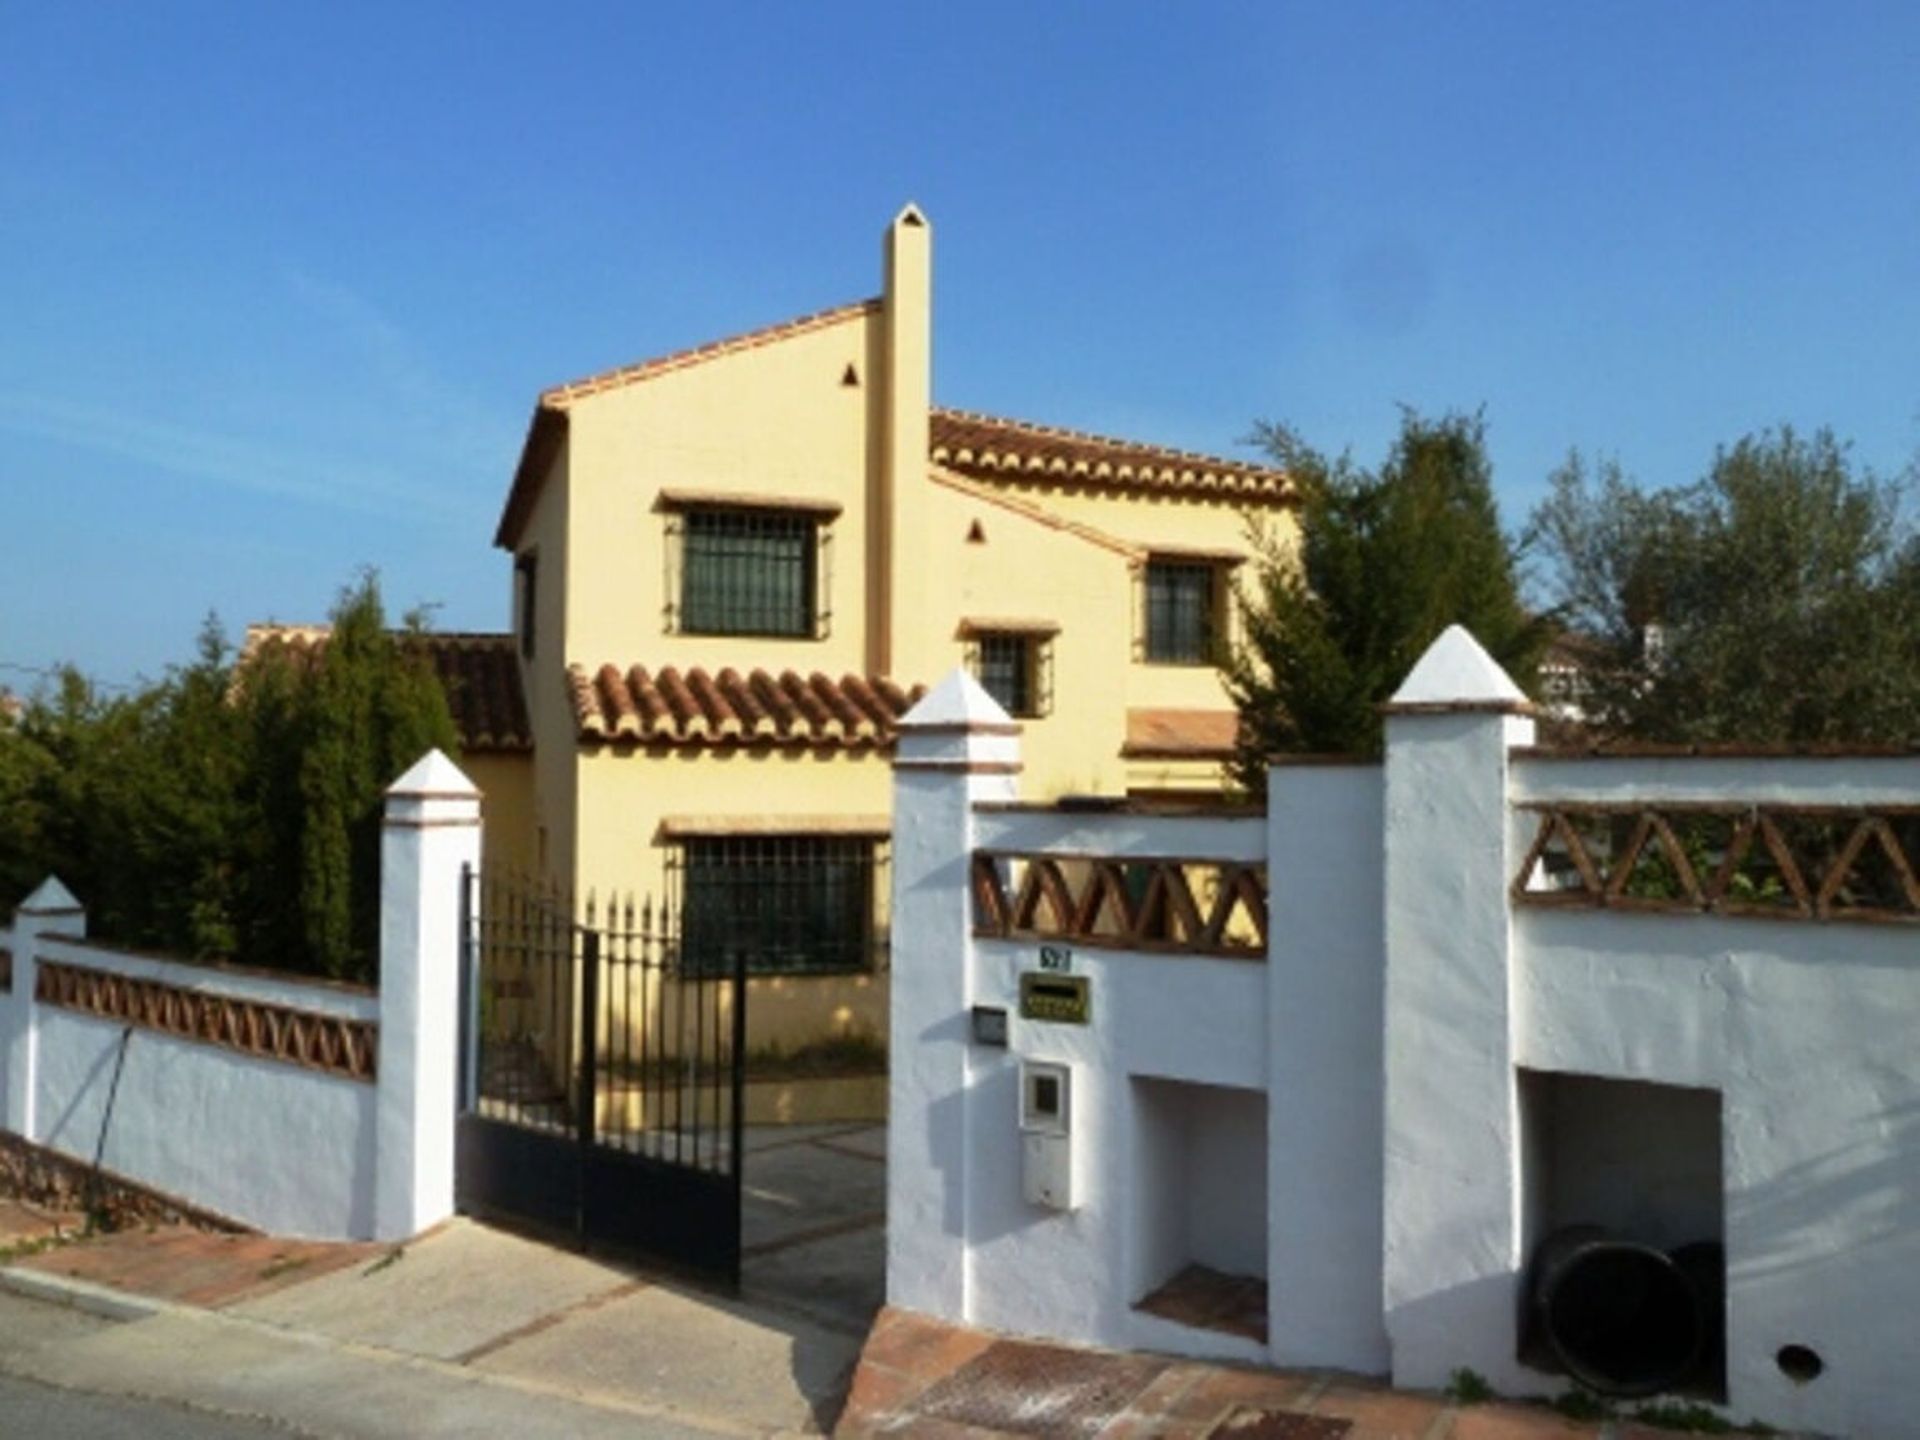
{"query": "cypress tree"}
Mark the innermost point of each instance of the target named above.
(1386, 560)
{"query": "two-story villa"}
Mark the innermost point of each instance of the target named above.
(735, 566)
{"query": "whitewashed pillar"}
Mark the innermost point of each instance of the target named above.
(431, 835)
(1452, 1217)
(955, 749)
(50, 910)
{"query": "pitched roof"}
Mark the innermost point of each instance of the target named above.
(481, 675)
(985, 446)
(479, 671)
(561, 396)
(694, 707)
(995, 448)
(1180, 734)
(549, 423)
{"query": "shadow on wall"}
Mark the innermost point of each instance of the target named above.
(1486, 1305)
(61, 1135)
(1857, 1195)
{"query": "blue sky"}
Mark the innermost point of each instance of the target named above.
(278, 284)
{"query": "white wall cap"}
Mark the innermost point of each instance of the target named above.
(434, 774)
(957, 702)
(1457, 671)
(51, 896)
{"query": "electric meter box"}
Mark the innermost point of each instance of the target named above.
(1046, 1134)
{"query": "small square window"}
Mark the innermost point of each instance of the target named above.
(1183, 612)
(1014, 667)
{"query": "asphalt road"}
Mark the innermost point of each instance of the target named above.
(29, 1411)
(32, 1411)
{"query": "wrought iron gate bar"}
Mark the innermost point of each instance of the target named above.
(593, 1053)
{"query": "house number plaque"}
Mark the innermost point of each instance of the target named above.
(1065, 999)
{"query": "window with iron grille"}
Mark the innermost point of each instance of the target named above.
(1182, 612)
(1015, 669)
(747, 572)
(791, 904)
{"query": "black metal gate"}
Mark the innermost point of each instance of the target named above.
(601, 1078)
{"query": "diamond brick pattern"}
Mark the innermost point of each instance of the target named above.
(1167, 905)
(328, 1043)
(1783, 861)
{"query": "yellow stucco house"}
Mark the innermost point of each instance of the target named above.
(735, 566)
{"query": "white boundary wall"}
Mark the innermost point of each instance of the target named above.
(1403, 992)
(288, 1148)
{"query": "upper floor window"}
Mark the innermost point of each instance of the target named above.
(748, 569)
(526, 577)
(1184, 606)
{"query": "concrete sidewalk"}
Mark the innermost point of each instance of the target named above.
(466, 1331)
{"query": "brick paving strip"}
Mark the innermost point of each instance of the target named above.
(921, 1378)
(197, 1267)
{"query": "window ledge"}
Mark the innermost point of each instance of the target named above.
(673, 500)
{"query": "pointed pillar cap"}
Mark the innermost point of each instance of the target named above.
(434, 777)
(958, 703)
(957, 726)
(1456, 674)
(51, 898)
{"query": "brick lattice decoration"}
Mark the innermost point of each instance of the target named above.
(1123, 904)
(1786, 862)
(328, 1043)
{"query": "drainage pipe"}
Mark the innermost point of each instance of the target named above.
(1622, 1317)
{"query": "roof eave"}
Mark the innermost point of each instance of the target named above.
(544, 433)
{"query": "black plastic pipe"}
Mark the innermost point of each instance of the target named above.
(1622, 1317)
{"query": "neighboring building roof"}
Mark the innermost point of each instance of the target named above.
(694, 707)
(479, 671)
(995, 448)
(481, 675)
(1181, 734)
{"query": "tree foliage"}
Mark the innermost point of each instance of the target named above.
(1385, 561)
(1777, 599)
(223, 813)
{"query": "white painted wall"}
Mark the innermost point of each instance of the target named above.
(1808, 1033)
(285, 1149)
(962, 1242)
(1326, 1067)
(1401, 999)
(281, 1147)
(1452, 1235)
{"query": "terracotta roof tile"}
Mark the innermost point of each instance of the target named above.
(698, 707)
(479, 671)
(481, 675)
(995, 448)
(1181, 734)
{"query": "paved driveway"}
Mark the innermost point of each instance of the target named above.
(469, 1300)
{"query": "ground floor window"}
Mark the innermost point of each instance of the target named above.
(790, 904)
